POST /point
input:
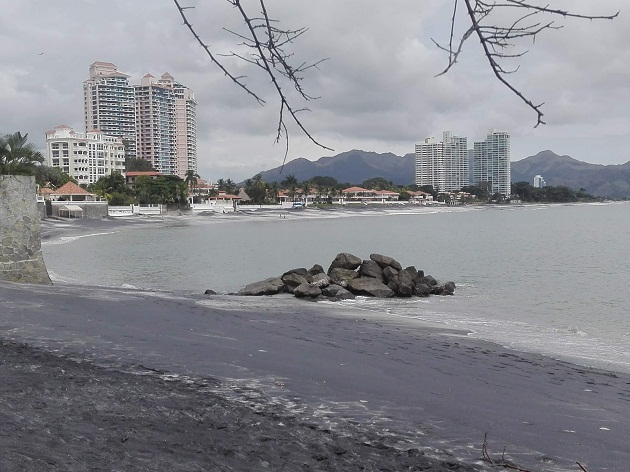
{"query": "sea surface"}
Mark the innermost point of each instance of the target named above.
(550, 279)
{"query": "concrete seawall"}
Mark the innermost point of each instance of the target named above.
(21, 257)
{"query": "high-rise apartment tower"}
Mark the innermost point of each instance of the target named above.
(156, 119)
(443, 165)
(109, 104)
(491, 163)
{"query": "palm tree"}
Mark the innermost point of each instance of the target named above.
(275, 191)
(17, 156)
(306, 189)
(221, 184)
(230, 186)
(289, 181)
(191, 179)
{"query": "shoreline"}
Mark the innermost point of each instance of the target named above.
(422, 389)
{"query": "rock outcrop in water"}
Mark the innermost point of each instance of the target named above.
(348, 276)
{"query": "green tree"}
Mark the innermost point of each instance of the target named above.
(256, 189)
(137, 165)
(274, 189)
(377, 183)
(289, 181)
(191, 179)
(51, 175)
(113, 188)
(163, 189)
(18, 156)
(306, 190)
(324, 181)
(231, 187)
(404, 196)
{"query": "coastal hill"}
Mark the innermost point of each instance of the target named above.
(612, 181)
(352, 166)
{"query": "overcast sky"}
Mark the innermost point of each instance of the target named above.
(379, 91)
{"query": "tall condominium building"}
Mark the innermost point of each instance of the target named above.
(109, 104)
(156, 119)
(86, 157)
(185, 125)
(443, 165)
(539, 182)
(155, 125)
(491, 163)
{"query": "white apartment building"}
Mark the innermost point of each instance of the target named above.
(443, 165)
(85, 157)
(539, 182)
(491, 163)
(109, 104)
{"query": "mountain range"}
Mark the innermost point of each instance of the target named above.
(354, 167)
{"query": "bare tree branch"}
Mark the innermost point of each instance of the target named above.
(498, 39)
(265, 42)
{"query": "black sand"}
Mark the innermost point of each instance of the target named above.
(127, 380)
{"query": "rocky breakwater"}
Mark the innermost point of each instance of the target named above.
(349, 276)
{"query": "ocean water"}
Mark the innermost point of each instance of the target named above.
(550, 279)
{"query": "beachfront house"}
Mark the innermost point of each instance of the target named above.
(364, 195)
(72, 201)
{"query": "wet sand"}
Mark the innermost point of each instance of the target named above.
(130, 380)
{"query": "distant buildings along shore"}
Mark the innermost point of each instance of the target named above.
(154, 121)
(449, 165)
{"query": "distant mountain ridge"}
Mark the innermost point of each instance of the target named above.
(611, 181)
(356, 166)
(353, 166)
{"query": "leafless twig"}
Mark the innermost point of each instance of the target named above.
(498, 39)
(265, 43)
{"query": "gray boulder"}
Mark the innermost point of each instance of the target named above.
(385, 261)
(370, 268)
(392, 282)
(269, 286)
(448, 288)
(292, 280)
(337, 292)
(428, 280)
(341, 276)
(415, 273)
(389, 273)
(316, 269)
(300, 270)
(320, 280)
(344, 260)
(405, 284)
(306, 290)
(370, 287)
(437, 289)
(422, 290)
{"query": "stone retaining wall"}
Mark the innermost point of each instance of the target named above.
(21, 257)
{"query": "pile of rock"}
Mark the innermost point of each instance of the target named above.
(348, 276)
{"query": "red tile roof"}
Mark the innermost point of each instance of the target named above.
(71, 188)
(355, 190)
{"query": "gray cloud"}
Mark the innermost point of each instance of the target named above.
(378, 88)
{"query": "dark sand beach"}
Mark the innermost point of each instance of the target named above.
(114, 379)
